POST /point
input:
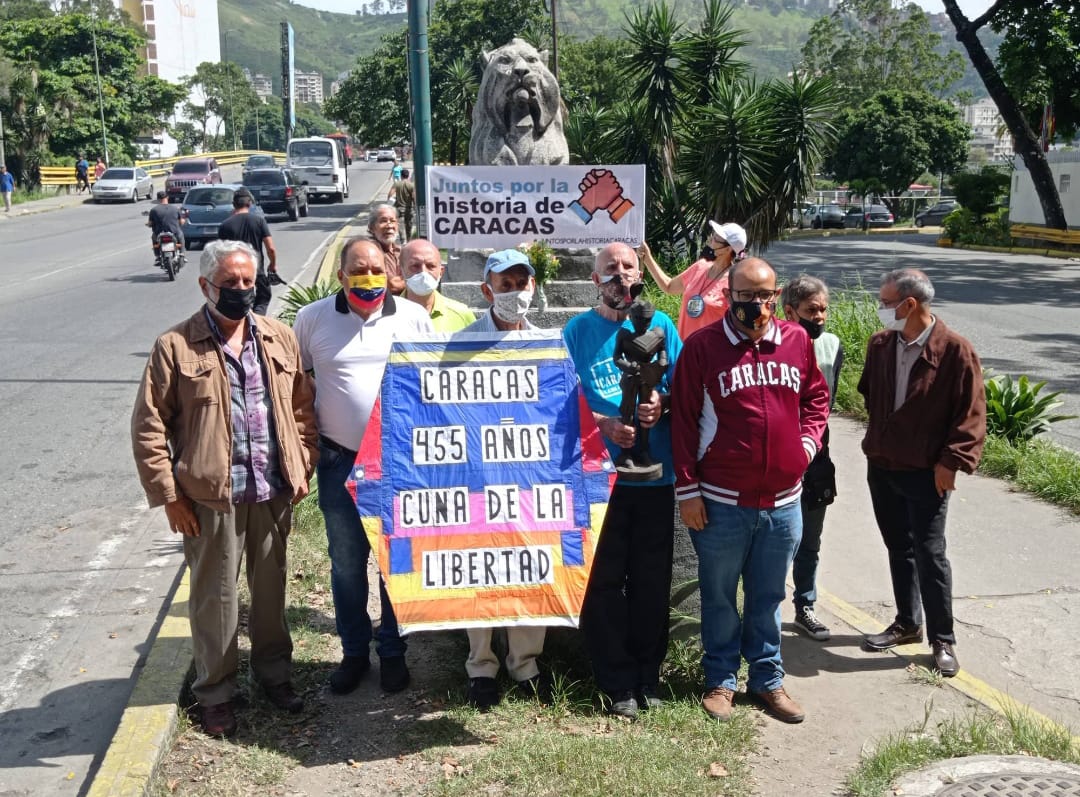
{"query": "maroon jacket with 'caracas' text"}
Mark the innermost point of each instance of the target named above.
(746, 417)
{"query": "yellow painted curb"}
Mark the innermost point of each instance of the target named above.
(963, 682)
(149, 721)
(328, 267)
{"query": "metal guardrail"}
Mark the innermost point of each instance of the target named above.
(158, 167)
(61, 175)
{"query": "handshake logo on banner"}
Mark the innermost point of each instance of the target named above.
(600, 191)
(503, 206)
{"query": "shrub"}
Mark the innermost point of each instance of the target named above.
(963, 226)
(1016, 412)
(298, 297)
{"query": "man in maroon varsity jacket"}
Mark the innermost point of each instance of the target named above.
(748, 410)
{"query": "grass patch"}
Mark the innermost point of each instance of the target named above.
(540, 751)
(1038, 466)
(21, 196)
(981, 733)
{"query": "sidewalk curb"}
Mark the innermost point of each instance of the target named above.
(149, 721)
(963, 682)
(328, 267)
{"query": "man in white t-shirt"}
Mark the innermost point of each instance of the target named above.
(346, 339)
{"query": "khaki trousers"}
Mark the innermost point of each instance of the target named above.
(524, 644)
(260, 531)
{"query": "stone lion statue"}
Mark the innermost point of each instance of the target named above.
(519, 116)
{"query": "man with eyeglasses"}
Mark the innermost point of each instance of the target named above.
(749, 407)
(923, 388)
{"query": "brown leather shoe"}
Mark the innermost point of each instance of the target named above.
(778, 703)
(717, 703)
(284, 697)
(895, 634)
(219, 720)
(945, 659)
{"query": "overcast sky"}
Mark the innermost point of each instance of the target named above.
(972, 8)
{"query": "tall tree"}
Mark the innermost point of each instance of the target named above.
(219, 96)
(867, 46)
(1025, 142)
(894, 137)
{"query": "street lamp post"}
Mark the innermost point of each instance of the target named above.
(97, 72)
(228, 83)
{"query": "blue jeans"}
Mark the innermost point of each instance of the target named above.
(756, 544)
(805, 565)
(349, 551)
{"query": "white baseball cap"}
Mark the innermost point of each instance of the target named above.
(732, 233)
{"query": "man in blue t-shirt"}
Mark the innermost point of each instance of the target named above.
(625, 615)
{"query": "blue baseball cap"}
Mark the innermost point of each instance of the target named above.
(507, 258)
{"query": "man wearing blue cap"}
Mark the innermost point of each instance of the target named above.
(509, 284)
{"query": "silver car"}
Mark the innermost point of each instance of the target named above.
(124, 183)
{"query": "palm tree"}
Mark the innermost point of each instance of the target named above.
(459, 94)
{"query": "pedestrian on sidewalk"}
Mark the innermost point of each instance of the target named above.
(806, 302)
(508, 286)
(82, 170)
(99, 169)
(749, 408)
(923, 388)
(7, 187)
(403, 195)
(624, 618)
(224, 437)
(346, 339)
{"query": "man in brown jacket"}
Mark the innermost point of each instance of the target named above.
(224, 437)
(923, 388)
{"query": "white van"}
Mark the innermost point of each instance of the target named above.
(319, 162)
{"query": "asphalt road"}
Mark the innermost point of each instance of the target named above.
(1019, 311)
(85, 568)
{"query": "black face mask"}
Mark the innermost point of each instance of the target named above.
(708, 253)
(813, 328)
(234, 303)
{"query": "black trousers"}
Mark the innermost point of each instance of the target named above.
(262, 292)
(911, 517)
(625, 615)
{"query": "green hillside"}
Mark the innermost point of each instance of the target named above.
(325, 42)
(330, 43)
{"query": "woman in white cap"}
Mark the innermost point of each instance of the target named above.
(702, 285)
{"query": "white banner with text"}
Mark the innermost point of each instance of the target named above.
(500, 207)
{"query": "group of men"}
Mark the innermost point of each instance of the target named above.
(235, 412)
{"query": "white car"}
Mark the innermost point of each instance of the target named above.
(124, 183)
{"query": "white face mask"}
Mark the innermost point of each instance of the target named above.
(423, 283)
(511, 307)
(889, 319)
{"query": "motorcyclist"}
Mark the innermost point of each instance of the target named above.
(162, 217)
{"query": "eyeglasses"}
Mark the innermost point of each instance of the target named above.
(749, 296)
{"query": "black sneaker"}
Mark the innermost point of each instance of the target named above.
(623, 704)
(348, 674)
(808, 622)
(483, 693)
(393, 674)
(647, 698)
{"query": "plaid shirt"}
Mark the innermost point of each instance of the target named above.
(256, 475)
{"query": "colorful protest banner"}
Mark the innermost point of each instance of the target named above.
(482, 481)
(503, 206)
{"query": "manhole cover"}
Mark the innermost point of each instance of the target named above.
(1007, 784)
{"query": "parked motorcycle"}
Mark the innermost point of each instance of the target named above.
(170, 258)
